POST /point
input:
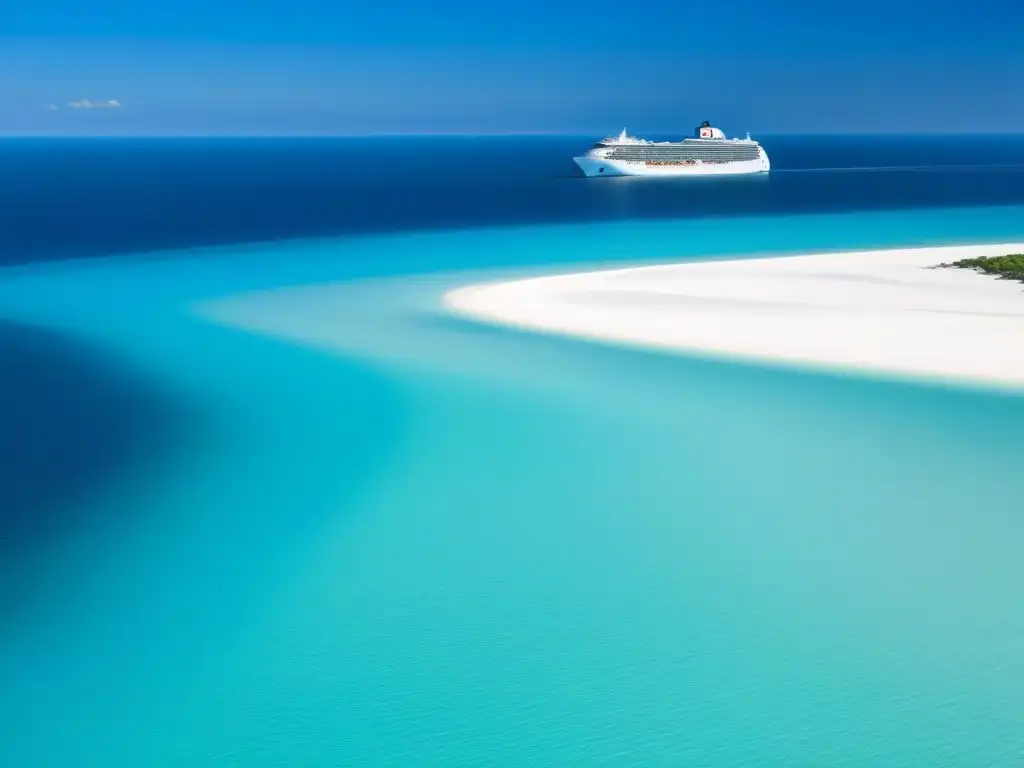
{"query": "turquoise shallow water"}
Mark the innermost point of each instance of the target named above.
(382, 536)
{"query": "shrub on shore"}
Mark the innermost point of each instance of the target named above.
(1009, 267)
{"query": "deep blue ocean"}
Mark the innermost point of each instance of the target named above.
(263, 503)
(72, 198)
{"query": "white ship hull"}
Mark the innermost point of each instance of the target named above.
(597, 166)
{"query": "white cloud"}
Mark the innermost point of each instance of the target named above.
(86, 104)
(51, 107)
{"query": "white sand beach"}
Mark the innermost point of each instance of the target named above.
(875, 311)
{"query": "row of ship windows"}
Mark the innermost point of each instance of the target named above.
(684, 150)
(706, 161)
(676, 150)
(681, 162)
(693, 156)
(689, 152)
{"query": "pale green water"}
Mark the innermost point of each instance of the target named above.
(437, 544)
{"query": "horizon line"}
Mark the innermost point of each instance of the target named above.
(474, 134)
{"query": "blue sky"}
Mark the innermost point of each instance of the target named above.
(372, 66)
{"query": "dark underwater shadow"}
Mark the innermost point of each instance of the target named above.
(73, 421)
(79, 423)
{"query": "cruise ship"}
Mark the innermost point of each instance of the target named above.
(707, 153)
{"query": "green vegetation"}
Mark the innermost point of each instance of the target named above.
(1009, 267)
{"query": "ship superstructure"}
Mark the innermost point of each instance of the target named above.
(708, 152)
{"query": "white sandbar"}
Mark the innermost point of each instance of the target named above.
(880, 311)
